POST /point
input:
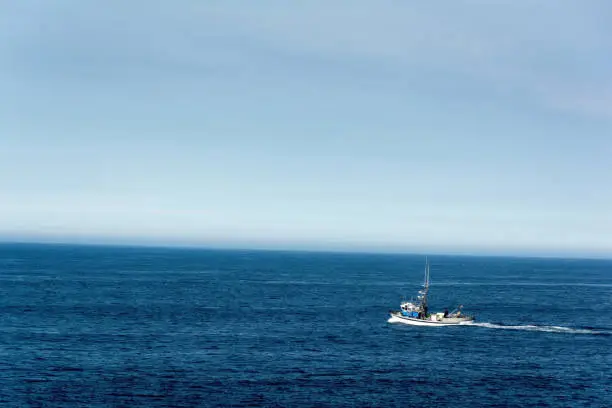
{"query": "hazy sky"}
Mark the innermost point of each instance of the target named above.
(398, 125)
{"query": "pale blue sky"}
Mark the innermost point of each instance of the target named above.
(463, 126)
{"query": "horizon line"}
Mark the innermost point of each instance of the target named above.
(305, 249)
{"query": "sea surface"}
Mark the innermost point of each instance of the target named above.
(109, 327)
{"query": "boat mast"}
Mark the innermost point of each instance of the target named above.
(425, 287)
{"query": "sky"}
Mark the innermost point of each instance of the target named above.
(458, 127)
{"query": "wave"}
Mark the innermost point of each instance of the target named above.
(548, 329)
(520, 283)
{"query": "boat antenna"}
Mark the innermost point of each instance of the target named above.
(426, 285)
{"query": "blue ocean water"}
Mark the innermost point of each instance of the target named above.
(109, 326)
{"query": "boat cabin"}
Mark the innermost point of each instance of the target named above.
(409, 309)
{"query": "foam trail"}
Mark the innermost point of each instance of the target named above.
(531, 327)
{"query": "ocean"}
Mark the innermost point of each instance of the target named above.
(96, 326)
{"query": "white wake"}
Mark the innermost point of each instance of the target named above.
(531, 327)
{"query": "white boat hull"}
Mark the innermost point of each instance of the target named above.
(447, 321)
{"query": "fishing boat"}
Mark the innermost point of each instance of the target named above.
(416, 313)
